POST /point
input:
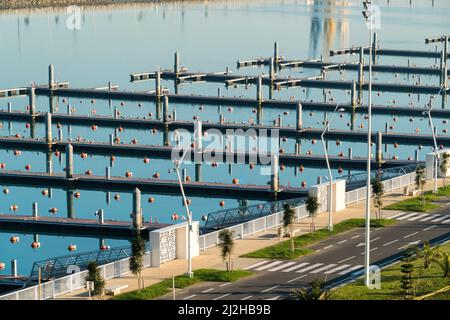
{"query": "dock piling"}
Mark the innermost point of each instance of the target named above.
(48, 128)
(259, 90)
(176, 63)
(9, 107)
(35, 210)
(51, 77)
(137, 210)
(166, 110)
(14, 268)
(379, 148)
(274, 176)
(350, 153)
(272, 70)
(354, 100)
(32, 100)
(69, 161)
(299, 121)
(158, 83)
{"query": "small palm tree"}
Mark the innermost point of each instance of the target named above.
(445, 159)
(226, 244)
(429, 254)
(95, 276)
(136, 259)
(420, 181)
(312, 206)
(317, 291)
(444, 264)
(378, 192)
(288, 221)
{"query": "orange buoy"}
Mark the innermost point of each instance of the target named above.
(116, 197)
(17, 152)
(396, 145)
(128, 174)
(146, 160)
(53, 210)
(104, 247)
(134, 141)
(235, 181)
(222, 203)
(77, 195)
(57, 153)
(2, 265)
(88, 172)
(2, 165)
(151, 200)
(27, 125)
(14, 239)
(113, 158)
(188, 178)
(338, 143)
(44, 192)
(394, 157)
(301, 168)
(28, 167)
(5, 190)
(94, 127)
(340, 170)
(120, 129)
(14, 207)
(252, 166)
(282, 167)
(174, 217)
(35, 245)
(84, 155)
(303, 184)
(72, 247)
(156, 175)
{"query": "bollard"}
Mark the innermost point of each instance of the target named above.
(174, 115)
(219, 92)
(101, 216)
(354, 100)
(51, 77)
(69, 161)
(9, 107)
(137, 210)
(275, 54)
(115, 113)
(297, 148)
(379, 147)
(259, 90)
(198, 172)
(31, 100)
(108, 173)
(35, 210)
(111, 139)
(176, 63)
(416, 155)
(350, 153)
(166, 110)
(158, 83)
(69, 109)
(48, 128)
(274, 176)
(221, 119)
(271, 70)
(183, 174)
(299, 116)
(14, 268)
(60, 134)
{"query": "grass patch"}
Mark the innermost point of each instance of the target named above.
(161, 288)
(282, 250)
(424, 280)
(415, 204)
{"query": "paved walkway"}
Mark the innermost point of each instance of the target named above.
(210, 258)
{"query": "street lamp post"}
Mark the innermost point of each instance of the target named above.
(368, 15)
(330, 191)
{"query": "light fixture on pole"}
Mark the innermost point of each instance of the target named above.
(368, 15)
(330, 176)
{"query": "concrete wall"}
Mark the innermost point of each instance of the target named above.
(321, 192)
(429, 164)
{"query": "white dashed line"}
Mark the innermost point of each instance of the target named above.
(225, 284)
(352, 257)
(208, 290)
(267, 290)
(337, 268)
(426, 229)
(397, 215)
(327, 247)
(296, 267)
(342, 241)
(354, 237)
(189, 297)
(391, 242)
(287, 264)
(439, 219)
(298, 278)
(222, 296)
(410, 235)
(256, 265)
(323, 268)
(246, 298)
(267, 266)
(310, 267)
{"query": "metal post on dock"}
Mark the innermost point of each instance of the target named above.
(221, 119)
(158, 83)
(137, 210)
(379, 148)
(69, 161)
(51, 77)
(184, 174)
(350, 153)
(70, 206)
(275, 55)
(174, 115)
(176, 64)
(319, 180)
(115, 113)
(271, 70)
(298, 147)
(166, 110)
(111, 139)
(299, 121)
(108, 172)
(441, 67)
(48, 128)
(354, 100)
(14, 268)
(416, 155)
(274, 176)
(198, 172)
(35, 210)
(374, 47)
(219, 92)
(259, 90)
(32, 100)
(101, 216)
(60, 134)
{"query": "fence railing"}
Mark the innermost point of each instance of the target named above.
(54, 288)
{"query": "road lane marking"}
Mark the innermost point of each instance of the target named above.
(282, 266)
(407, 216)
(426, 229)
(225, 284)
(337, 268)
(246, 298)
(268, 289)
(323, 268)
(430, 216)
(222, 296)
(369, 250)
(269, 265)
(354, 237)
(352, 257)
(256, 265)
(397, 215)
(440, 218)
(208, 290)
(296, 267)
(274, 298)
(391, 242)
(446, 221)
(298, 278)
(410, 235)
(378, 238)
(328, 246)
(378, 229)
(189, 297)
(409, 244)
(310, 267)
(416, 217)
(351, 269)
(342, 241)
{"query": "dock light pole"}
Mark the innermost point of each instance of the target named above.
(368, 15)
(445, 39)
(330, 191)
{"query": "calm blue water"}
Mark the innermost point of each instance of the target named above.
(116, 41)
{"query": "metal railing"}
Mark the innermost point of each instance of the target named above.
(72, 282)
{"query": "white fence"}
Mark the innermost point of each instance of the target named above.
(75, 281)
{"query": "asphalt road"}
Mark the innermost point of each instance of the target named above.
(339, 256)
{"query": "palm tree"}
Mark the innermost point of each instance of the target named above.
(444, 165)
(428, 254)
(444, 263)
(226, 244)
(378, 191)
(420, 181)
(317, 291)
(312, 206)
(95, 276)
(288, 220)
(136, 259)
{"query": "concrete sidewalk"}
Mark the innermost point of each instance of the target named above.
(211, 258)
